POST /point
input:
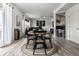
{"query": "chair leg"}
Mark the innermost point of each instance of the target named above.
(45, 52)
(45, 47)
(27, 43)
(33, 51)
(51, 43)
(34, 48)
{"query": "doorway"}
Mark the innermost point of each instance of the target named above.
(60, 25)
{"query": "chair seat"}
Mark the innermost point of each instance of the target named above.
(31, 37)
(47, 36)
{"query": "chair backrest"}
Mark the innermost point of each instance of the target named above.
(26, 32)
(51, 31)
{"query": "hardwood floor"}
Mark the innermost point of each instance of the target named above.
(65, 48)
(14, 49)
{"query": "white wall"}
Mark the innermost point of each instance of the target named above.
(21, 17)
(72, 23)
(48, 23)
(19, 14)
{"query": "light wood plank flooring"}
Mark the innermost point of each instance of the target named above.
(13, 49)
(65, 48)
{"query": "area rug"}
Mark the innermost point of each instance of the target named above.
(38, 52)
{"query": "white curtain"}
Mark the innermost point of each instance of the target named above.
(1, 27)
(7, 24)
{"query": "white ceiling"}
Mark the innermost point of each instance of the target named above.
(36, 10)
(66, 7)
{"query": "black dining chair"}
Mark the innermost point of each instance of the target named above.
(30, 36)
(47, 36)
(40, 42)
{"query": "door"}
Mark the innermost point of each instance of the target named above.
(74, 26)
